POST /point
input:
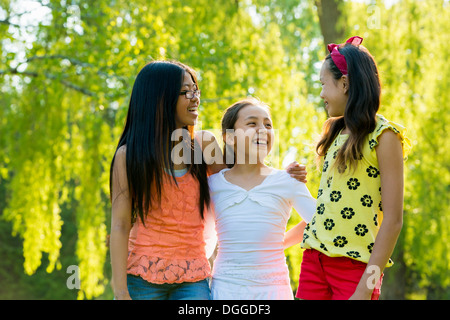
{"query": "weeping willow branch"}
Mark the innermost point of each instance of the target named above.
(77, 62)
(14, 71)
(66, 83)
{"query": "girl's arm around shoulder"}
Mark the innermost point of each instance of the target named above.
(297, 171)
(212, 153)
(120, 225)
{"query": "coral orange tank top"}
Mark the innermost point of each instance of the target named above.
(170, 248)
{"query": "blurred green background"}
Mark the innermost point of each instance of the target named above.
(66, 73)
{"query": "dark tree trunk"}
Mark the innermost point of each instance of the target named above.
(329, 18)
(395, 277)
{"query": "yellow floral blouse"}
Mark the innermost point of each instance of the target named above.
(349, 209)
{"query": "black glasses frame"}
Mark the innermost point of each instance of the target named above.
(190, 94)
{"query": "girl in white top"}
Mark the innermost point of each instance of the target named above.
(252, 205)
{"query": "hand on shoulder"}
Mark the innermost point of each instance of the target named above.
(297, 171)
(212, 153)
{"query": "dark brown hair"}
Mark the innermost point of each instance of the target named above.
(229, 119)
(361, 109)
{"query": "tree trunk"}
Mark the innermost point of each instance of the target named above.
(394, 281)
(330, 13)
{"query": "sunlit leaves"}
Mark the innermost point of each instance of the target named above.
(65, 91)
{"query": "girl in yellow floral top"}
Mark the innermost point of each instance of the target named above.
(359, 212)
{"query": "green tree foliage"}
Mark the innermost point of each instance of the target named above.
(66, 72)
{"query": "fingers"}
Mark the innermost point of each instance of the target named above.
(297, 171)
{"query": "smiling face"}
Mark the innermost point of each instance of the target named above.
(253, 134)
(334, 92)
(187, 109)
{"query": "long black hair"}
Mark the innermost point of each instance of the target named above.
(362, 105)
(147, 135)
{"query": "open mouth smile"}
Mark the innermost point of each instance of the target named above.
(260, 141)
(193, 109)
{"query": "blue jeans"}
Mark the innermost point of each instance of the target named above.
(141, 289)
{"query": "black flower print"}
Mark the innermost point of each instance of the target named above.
(380, 206)
(372, 143)
(347, 213)
(353, 184)
(329, 181)
(372, 172)
(379, 128)
(325, 166)
(370, 247)
(361, 230)
(305, 236)
(335, 153)
(307, 227)
(375, 220)
(321, 209)
(340, 241)
(323, 247)
(329, 224)
(335, 196)
(319, 193)
(314, 232)
(313, 221)
(353, 254)
(366, 201)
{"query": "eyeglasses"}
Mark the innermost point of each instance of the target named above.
(190, 94)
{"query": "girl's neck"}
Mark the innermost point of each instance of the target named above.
(247, 176)
(250, 169)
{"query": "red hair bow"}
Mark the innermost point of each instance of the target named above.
(338, 58)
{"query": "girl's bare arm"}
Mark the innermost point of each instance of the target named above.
(294, 235)
(120, 226)
(390, 161)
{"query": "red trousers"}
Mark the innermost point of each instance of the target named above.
(330, 278)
